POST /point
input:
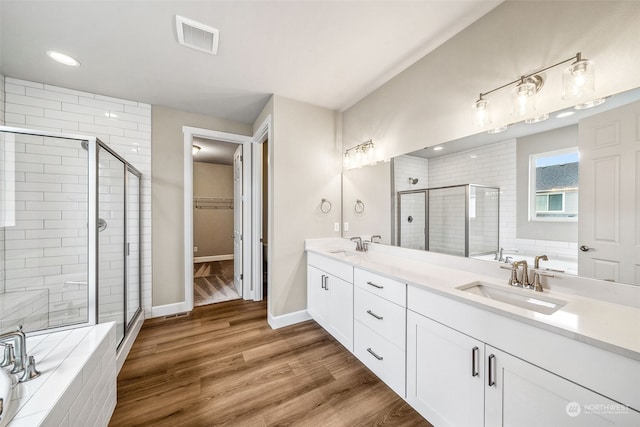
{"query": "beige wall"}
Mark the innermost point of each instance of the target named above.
(304, 168)
(212, 228)
(430, 102)
(167, 199)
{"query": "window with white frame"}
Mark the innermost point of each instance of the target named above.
(553, 186)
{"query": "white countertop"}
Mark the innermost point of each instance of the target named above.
(612, 327)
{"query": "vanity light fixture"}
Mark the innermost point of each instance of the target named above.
(360, 155)
(195, 149)
(63, 58)
(537, 119)
(497, 130)
(590, 104)
(578, 81)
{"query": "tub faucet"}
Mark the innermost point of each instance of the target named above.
(21, 362)
(536, 264)
(375, 236)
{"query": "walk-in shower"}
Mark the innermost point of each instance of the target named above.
(69, 233)
(457, 220)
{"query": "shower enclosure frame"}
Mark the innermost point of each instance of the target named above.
(467, 222)
(93, 146)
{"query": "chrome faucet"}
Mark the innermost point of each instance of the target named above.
(374, 237)
(15, 344)
(359, 245)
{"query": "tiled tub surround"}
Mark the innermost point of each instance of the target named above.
(77, 385)
(125, 126)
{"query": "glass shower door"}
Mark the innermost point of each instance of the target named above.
(133, 246)
(111, 244)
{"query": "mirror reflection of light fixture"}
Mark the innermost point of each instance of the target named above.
(590, 104)
(360, 155)
(195, 149)
(497, 130)
(537, 119)
(578, 81)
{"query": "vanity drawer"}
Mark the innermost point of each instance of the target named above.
(385, 359)
(384, 287)
(382, 316)
(331, 266)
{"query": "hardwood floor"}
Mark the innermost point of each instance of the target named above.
(223, 365)
(213, 282)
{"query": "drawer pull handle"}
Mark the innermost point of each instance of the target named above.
(374, 315)
(375, 286)
(322, 281)
(373, 353)
(474, 361)
(326, 283)
(492, 370)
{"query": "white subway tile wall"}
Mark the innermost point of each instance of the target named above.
(413, 212)
(491, 165)
(447, 219)
(405, 167)
(2, 188)
(125, 126)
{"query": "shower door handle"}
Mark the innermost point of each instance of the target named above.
(128, 248)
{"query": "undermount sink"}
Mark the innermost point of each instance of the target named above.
(523, 298)
(344, 252)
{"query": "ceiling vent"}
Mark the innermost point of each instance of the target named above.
(196, 35)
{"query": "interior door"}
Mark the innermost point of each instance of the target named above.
(609, 231)
(238, 206)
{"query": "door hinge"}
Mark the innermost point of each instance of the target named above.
(241, 158)
(241, 237)
(241, 276)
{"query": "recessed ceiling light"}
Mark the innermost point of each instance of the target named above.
(438, 148)
(63, 59)
(497, 130)
(565, 114)
(473, 156)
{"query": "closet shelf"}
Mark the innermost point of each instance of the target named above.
(212, 203)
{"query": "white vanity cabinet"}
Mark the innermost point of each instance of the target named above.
(454, 379)
(379, 327)
(445, 373)
(330, 297)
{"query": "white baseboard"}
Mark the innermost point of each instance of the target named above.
(169, 309)
(212, 258)
(128, 342)
(277, 322)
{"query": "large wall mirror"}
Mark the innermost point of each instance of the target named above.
(567, 187)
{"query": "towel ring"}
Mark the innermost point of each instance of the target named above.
(325, 206)
(359, 207)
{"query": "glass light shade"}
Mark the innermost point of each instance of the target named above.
(537, 119)
(194, 150)
(481, 113)
(578, 80)
(523, 99)
(497, 130)
(590, 104)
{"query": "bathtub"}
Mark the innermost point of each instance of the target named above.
(77, 385)
(565, 266)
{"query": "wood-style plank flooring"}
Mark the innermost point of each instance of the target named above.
(213, 282)
(223, 365)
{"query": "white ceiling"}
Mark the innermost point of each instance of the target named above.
(213, 151)
(328, 53)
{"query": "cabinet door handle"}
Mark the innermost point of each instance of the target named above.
(492, 370)
(374, 315)
(475, 351)
(375, 286)
(322, 281)
(326, 283)
(373, 353)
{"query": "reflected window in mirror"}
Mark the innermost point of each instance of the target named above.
(553, 185)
